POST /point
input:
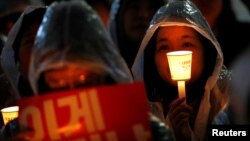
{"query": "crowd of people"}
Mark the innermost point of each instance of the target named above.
(65, 45)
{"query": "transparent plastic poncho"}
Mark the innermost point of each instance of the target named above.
(8, 62)
(74, 35)
(185, 13)
(177, 13)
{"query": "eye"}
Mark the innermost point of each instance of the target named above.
(162, 48)
(188, 44)
(54, 83)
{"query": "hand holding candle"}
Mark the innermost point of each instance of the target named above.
(180, 68)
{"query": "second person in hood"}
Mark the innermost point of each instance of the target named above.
(179, 25)
(128, 23)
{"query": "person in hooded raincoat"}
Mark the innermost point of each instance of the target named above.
(237, 111)
(179, 25)
(10, 10)
(15, 57)
(73, 49)
(129, 20)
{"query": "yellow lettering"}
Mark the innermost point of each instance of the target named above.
(86, 112)
(96, 110)
(35, 115)
(51, 120)
(75, 114)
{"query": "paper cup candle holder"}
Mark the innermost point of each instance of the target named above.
(180, 63)
(9, 113)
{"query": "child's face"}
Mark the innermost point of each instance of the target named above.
(174, 38)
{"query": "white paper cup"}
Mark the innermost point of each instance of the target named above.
(180, 64)
(9, 113)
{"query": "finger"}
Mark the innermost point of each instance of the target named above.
(176, 103)
(184, 108)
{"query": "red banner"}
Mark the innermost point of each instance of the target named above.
(106, 113)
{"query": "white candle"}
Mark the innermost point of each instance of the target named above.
(181, 89)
